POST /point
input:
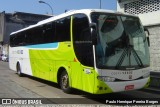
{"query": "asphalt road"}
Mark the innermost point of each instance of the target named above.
(13, 86)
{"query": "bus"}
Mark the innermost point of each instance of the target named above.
(94, 50)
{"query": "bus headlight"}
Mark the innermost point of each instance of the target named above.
(146, 75)
(106, 79)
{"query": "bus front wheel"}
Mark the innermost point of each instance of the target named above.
(64, 82)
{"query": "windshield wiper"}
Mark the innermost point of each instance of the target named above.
(119, 63)
(127, 51)
(137, 58)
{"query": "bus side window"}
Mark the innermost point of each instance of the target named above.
(13, 40)
(49, 32)
(28, 38)
(63, 29)
(20, 40)
(36, 35)
(16, 40)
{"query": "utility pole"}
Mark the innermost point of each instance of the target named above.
(100, 5)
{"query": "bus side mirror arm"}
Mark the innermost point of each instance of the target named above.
(146, 30)
(148, 41)
(93, 27)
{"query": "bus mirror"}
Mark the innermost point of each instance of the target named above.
(146, 30)
(93, 27)
(148, 41)
(94, 37)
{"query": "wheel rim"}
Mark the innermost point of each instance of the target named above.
(64, 80)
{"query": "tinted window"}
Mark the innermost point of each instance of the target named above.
(12, 40)
(35, 36)
(28, 37)
(17, 39)
(82, 39)
(57, 31)
(63, 29)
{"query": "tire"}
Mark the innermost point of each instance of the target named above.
(19, 70)
(64, 82)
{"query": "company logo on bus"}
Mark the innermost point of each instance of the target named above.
(122, 73)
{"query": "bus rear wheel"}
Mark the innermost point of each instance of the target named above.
(64, 82)
(19, 70)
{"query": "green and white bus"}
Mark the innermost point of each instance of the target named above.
(96, 51)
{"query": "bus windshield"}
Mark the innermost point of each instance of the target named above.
(121, 42)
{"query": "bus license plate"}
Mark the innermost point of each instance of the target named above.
(129, 87)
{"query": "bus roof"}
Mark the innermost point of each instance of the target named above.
(87, 11)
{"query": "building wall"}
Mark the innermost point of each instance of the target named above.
(149, 13)
(5, 49)
(147, 10)
(0, 49)
(155, 47)
(2, 21)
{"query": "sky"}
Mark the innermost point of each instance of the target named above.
(58, 6)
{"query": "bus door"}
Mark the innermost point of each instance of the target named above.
(83, 49)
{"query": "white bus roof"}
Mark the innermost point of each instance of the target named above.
(87, 11)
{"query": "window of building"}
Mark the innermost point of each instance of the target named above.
(142, 6)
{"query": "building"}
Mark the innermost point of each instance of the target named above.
(149, 13)
(10, 22)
